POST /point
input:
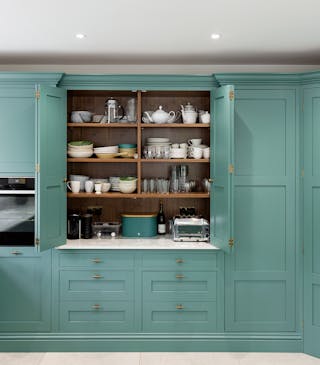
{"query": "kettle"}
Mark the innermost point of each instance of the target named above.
(74, 227)
(112, 108)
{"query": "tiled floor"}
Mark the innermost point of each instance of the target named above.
(154, 358)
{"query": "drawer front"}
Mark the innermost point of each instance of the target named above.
(191, 317)
(103, 285)
(18, 251)
(179, 284)
(101, 316)
(96, 260)
(179, 260)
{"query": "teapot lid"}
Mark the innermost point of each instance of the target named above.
(160, 110)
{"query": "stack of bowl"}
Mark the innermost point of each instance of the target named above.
(128, 149)
(106, 152)
(80, 149)
(128, 184)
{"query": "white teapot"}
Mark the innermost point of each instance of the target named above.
(160, 116)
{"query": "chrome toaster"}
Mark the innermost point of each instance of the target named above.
(191, 229)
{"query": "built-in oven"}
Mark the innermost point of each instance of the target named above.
(17, 211)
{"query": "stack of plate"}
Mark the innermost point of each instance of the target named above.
(115, 183)
(106, 152)
(80, 149)
(152, 141)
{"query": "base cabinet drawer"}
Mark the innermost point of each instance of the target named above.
(91, 316)
(102, 285)
(176, 285)
(191, 317)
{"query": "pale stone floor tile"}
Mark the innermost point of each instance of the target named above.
(278, 358)
(21, 358)
(91, 358)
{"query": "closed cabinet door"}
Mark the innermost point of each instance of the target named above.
(17, 139)
(311, 296)
(25, 284)
(260, 267)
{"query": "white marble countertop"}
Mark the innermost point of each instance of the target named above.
(156, 243)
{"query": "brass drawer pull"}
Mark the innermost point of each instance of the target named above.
(97, 276)
(96, 306)
(96, 261)
(179, 276)
(179, 261)
(179, 306)
(16, 253)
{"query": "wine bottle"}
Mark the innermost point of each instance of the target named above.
(161, 220)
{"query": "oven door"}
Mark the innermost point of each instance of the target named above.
(17, 211)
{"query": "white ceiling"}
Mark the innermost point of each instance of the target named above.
(160, 32)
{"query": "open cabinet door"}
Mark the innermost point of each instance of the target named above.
(311, 221)
(51, 167)
(222, 167)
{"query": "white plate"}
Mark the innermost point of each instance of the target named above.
(158, 140)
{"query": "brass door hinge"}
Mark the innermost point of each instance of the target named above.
(231, 95)
(37, 241)
(231, 242)
(37, 168)
(302, 173)
(231, 169)
(37, 94)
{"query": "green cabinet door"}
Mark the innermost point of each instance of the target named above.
(222, 142)
(17, 137)
(311, 124)
(51, 159)
(25, 284)
(260, 269)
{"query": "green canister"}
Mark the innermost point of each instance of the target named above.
(139, 224)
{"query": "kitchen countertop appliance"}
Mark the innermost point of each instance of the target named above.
(191, 229)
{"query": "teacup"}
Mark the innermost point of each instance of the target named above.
(74, 186)
(195, 152)
(105, 187)
(194, 142)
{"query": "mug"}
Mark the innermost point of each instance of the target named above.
(205, 118)
(88, 186)
(206, 152)
(97, 188)
(74, 186)
(194, 142)
(195, 152)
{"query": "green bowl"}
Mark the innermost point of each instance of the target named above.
(127, 145)
(80, 143)
(128, 178)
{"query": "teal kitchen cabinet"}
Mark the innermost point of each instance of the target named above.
(311, 129)
(25, 282)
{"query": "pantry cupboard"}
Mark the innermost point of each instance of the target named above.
(248, 294)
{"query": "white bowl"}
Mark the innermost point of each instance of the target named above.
(178, 153)
(127, 189)
(81, 116)
(80, 154)
(107, 149)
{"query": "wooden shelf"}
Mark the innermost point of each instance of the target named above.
(102, 125)
(176, 160)
(111, 195)
(175, 125)
(103, 160)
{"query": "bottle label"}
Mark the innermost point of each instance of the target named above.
(161, 228)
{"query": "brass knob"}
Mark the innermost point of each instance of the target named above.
(211, 181)
(179, 306)
(179, 261)
(16, 253)
(179, 276)
(96, 306)
(96, 261)
(96, 276)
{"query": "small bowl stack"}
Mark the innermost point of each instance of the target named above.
(128, 149)
(106, 152)
(80, 149)
(128, 185)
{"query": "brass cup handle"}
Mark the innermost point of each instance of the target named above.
(96, 261)
(179, 261)
(179, 276)
(96, 306)
(16, 253)
(97, 276)
(179, 306)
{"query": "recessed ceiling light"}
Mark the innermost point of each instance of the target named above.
(215, 36)
(80, 35)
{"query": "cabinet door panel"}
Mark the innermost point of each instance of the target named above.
(25, 303)
(260, 270)
(311, 221)
(51, 157)
(17, 139)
